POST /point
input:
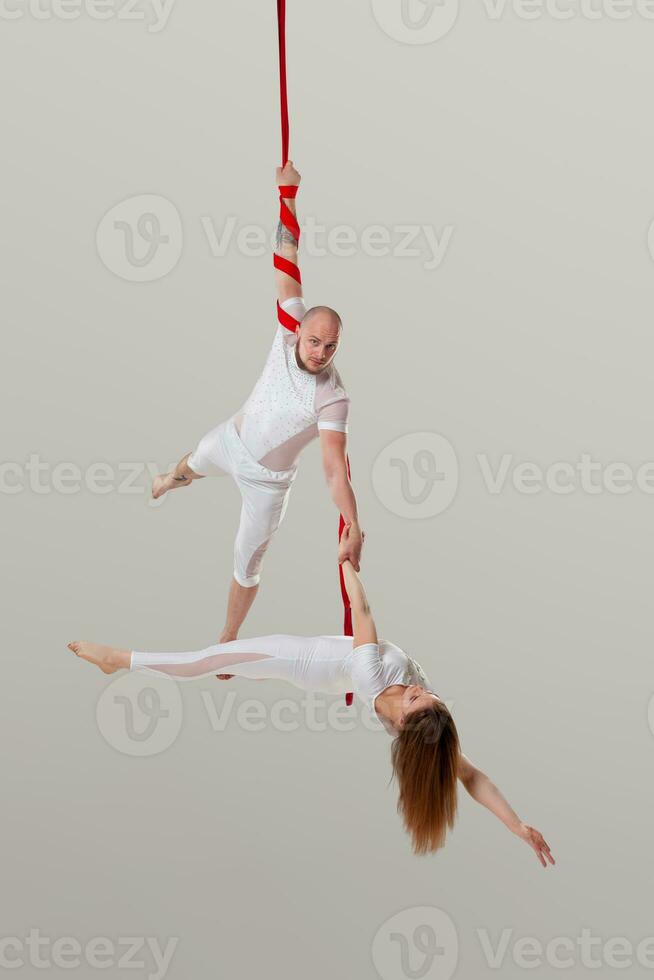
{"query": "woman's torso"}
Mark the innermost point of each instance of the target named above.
(329, 664)
(367, 670)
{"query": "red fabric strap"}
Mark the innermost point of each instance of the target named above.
(283, 93)
(286, 216)
(289, 221)
(286, 319)
(285, 265)
(347, 609)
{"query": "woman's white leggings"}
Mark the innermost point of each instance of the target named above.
(318, 663)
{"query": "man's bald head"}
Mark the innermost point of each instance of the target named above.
(327, 316)
(319, 335)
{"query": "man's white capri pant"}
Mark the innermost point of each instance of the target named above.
(264, 493)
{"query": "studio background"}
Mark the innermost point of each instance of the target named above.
(273, 852)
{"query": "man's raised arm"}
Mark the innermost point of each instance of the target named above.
(286, 244)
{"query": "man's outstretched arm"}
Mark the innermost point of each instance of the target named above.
(334, 458)
(286, 244)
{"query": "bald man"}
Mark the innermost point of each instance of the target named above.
(299, 397)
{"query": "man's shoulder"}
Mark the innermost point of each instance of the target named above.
(336, 382)
(284, 339)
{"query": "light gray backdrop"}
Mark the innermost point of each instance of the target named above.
(520, 138)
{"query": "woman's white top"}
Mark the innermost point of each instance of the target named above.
(375, 666)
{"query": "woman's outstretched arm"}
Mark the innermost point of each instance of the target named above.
(486, 792)
(365, 630)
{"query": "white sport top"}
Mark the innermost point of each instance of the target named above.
(288, 405)
(375, 666)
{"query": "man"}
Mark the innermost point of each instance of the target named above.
(299, 397)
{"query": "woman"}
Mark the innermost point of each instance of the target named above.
(426, 755)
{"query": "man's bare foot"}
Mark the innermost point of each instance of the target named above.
(226, 637)
(108, 659)
(181, 476)
(162, 484)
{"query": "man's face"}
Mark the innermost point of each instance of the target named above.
(318, 341)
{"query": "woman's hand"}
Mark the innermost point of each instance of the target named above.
(537, 842)
(288, 176)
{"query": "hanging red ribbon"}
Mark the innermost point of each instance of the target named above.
(290, 268)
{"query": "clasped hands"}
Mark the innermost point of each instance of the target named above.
(350, 545)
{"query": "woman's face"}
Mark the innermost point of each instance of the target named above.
(415, 698)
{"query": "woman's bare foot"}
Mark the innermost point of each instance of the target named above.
(108, 659)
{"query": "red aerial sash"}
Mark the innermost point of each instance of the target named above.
(289, 221)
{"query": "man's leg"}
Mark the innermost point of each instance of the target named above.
(261, 514)
(181, 476)
(210, 458)
(238, 606)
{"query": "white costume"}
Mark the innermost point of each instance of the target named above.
(327, 664)
(259, 446)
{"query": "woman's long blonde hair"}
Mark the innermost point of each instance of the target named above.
(425, 757)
